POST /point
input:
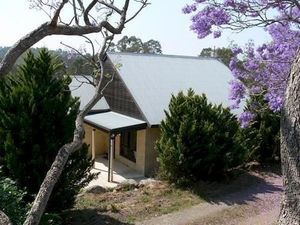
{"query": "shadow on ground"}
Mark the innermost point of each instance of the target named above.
(245, 188)
(91, 217)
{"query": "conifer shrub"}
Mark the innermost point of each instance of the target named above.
(262, 137)
(12, 200)
(198, 140)
(37, 117)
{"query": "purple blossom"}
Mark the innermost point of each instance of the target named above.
(255, 90)
(237, 51)
(261, 48)
(242, 7)
(275, 102)
(245, 118)
(256, 69)
(230, 3)
(205, 19)
(189, 8)
(217, 34)
(237, 92)
(267, 68)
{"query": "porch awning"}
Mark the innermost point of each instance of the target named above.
(114, 122)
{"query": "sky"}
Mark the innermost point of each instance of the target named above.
(162, 21)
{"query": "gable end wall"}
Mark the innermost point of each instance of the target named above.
(118, 96)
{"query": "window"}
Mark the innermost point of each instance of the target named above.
(128, 145)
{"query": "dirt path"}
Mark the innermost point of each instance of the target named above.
(255, 205)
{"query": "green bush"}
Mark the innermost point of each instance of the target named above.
(11, 200)
(51, 219)
(198, 140)
(75, 176)
(37, 117)
(262, 137)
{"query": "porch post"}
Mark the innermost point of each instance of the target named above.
(93, 145)
(109, 158)
(112, 149)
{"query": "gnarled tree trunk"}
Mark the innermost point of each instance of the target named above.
(4, 219)
(290, 149)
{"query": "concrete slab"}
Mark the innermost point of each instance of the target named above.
(121, 173)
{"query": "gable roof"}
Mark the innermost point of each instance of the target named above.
(85, 92)
(152, 79)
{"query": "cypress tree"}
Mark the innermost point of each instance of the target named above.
(37, 117)
(198, 140)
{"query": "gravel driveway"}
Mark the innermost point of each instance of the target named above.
(258, 204)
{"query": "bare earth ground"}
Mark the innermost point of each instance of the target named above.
(254, 205)
(251, 199)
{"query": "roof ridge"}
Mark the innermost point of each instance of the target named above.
(162, 55)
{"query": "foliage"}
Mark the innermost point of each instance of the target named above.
(265, 71)
(38, 116)
(262, 70)
(224, 54)
(73, 62)
(261, 137)
(75, 176)
(11, 200)
(134, 44)
(198, 140)
(51, 219)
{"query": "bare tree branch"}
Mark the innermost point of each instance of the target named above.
(57, 13)
(56, 27)
(87, 11)
(75, 12)
(78, 52)
(45, 30)
(52, 28)
(110, 6)
(144, 4)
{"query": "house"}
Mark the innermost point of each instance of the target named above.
(125, 124)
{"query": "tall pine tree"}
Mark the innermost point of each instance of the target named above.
(37, 117)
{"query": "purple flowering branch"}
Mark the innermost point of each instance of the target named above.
(261, 70)
(209, 15)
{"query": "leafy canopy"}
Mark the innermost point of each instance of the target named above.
(12, 200)
(136, 45)
(258, 70)
(223, 54)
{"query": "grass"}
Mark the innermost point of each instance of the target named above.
(128, 206)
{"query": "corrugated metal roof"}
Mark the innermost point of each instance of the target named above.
(152, 79)
(85, 92)
(114, 122)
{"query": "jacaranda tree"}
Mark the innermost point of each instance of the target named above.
(272, 70)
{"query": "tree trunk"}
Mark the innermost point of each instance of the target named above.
(290, 149)
(4, 220)
(41, 200)
(51, 28)
(39, 205)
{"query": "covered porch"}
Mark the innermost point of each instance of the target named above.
(121, 173)
(113, 145)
